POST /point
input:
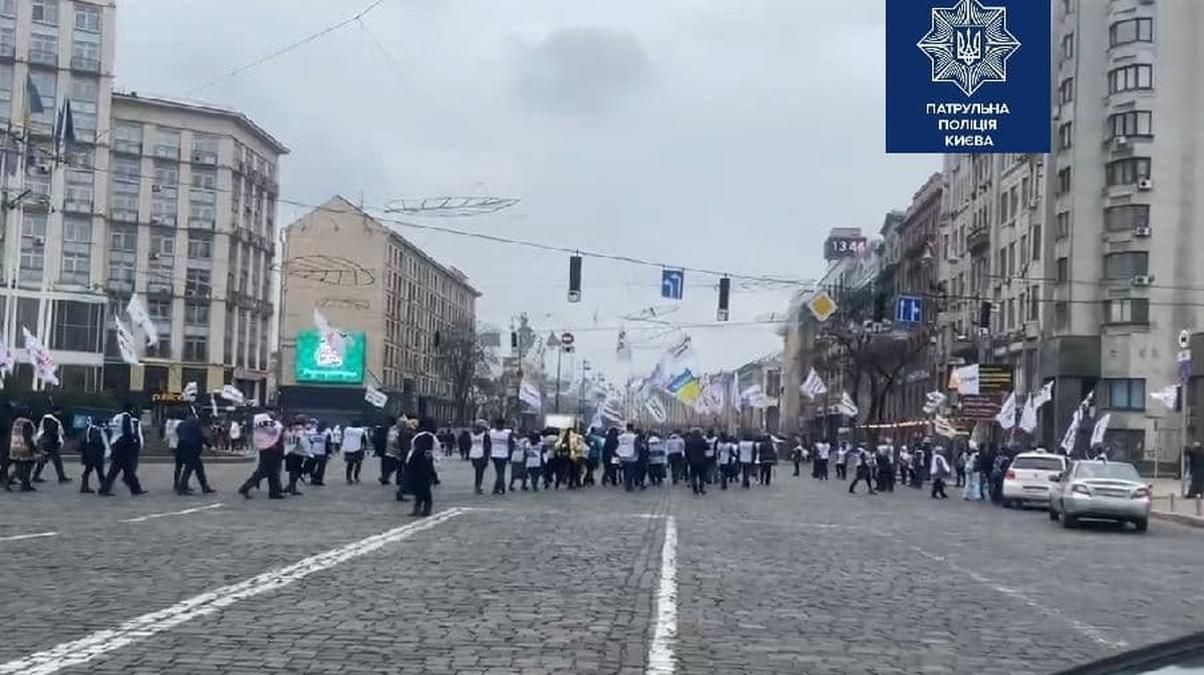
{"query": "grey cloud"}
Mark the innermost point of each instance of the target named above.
(581, 70)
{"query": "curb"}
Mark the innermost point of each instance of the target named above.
(1181, 518)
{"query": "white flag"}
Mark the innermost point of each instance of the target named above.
(190, 391)
(333, 338)
(733, 394)
(375, 396)
(528, 393)
(1045, 395)
(1007, 413)
(846, 406)
(1028, 418)
(933, 402)
(125, 343)
(1167, 396)
(39, 357)
(8, 359)
(1072, 431)
(1101, 426)
(813, 386)
(944, 427)
(140, 318)
(656, 409)
(233, 394)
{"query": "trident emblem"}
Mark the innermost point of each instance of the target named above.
(969, 46)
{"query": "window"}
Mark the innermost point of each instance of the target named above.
(1128, 171)
(33, 248)
(1034, 300)
(202, 208)
(1067, 6)
(46, 11)
(165, 205)
(1126, 265)
(1064, 181)
(1066, 91)
(1068, 46)
(167, 174)
(8, 8)
(1123, 394)
(1023, 249)
(1137, 77)
(159, 311)
(204, 177)
(1062, 225)
(87, 18)
(235, 196)
(196, 348)
(77, 250)
(205, 148)
(85, 52)
(6, 85)
(162, 260)
(1001, 269)
(167, 143)
(1134, 123)
(196, 314)
(127, 137)
(1127, 310)
(196, 283)
(123, 255)
(77, 326)
(200, 246)
(1061, 315)
(127, 170)
(1131, 30)
(1012, 259)
(1126, 217)
(1065, 136)
(1003, 208)
(1035, 230)
(1063, 270)
(46, 84)
(84, 95)
(44, 46)
(1015, 201)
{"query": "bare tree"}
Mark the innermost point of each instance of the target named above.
(466, 361)
(881, 360)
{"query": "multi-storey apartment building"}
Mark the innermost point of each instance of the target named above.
(192, 228)
(51, 223)
(364, 276)
(1123, 245)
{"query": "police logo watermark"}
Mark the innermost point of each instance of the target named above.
(969, 45)
(968, 85)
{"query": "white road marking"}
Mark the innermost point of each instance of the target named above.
(153, 516)
(140, 628)
(552, 512)
(660, 652)
(35, 535)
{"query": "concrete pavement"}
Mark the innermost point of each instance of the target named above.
(798, 577)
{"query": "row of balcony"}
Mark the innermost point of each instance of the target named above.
(250, 302)
(46, 57)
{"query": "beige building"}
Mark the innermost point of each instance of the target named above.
(191, 228)
(364, 276)
(53, 230)
(1124, 238)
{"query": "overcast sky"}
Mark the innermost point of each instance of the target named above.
(720, 134)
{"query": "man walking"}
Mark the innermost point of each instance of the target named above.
(501, 445)
(696, 457)
(50, 443)
(192, 442)
(268, 437)
(861, 468)
(125, 439)
(92, 448)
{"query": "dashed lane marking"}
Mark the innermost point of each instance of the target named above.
(153, 516)
(35, 535)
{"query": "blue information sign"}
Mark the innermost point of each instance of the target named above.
(673, 282)
(909, 309)
(968, 76)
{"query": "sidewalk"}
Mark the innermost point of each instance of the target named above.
(1169, 504)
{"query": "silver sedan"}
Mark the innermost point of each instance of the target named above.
(1100, 490)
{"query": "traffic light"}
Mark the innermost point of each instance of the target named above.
(575, 278)
(725, 289)
(514, 339)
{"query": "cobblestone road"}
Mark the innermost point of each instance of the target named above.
(799, 577)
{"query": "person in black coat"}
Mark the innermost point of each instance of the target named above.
(50, 439)
(92, 454)
(191, 442)
(696, 457)
(380, 448)
(420, 471)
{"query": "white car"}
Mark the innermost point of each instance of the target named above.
(1027, 478)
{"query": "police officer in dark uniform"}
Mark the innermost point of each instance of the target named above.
(268, 437)
(191, 442)
(92, 455)
(126, 442)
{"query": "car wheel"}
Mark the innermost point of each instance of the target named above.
(1142, 524)
(1053, 515)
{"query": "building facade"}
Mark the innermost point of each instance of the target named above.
(191, 227)
(1123, 184)
(364, 276)
(165, 199)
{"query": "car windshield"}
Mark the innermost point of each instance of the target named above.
(1040, 463)
(1107, 470)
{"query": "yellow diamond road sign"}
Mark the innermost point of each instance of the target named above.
(822, 306)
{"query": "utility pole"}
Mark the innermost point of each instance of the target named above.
(559, 353)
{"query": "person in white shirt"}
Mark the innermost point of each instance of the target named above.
(675, 448)
(822, 452)
(842, 462)
(501, 444)
(354, 439)
(939, 472)
(861, 470)
(534, 459)
(626, 453)
(235, 435)
(479, 446)
(518, 462)
(748, 454)
(729, 461)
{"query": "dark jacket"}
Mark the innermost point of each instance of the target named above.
(92, 444)
(380, 439)
(191, 436)
(420, 466)
(696, 450)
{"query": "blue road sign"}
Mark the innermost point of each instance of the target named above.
(909, 309)
(673, 282)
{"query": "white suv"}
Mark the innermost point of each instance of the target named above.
(1027, 479)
